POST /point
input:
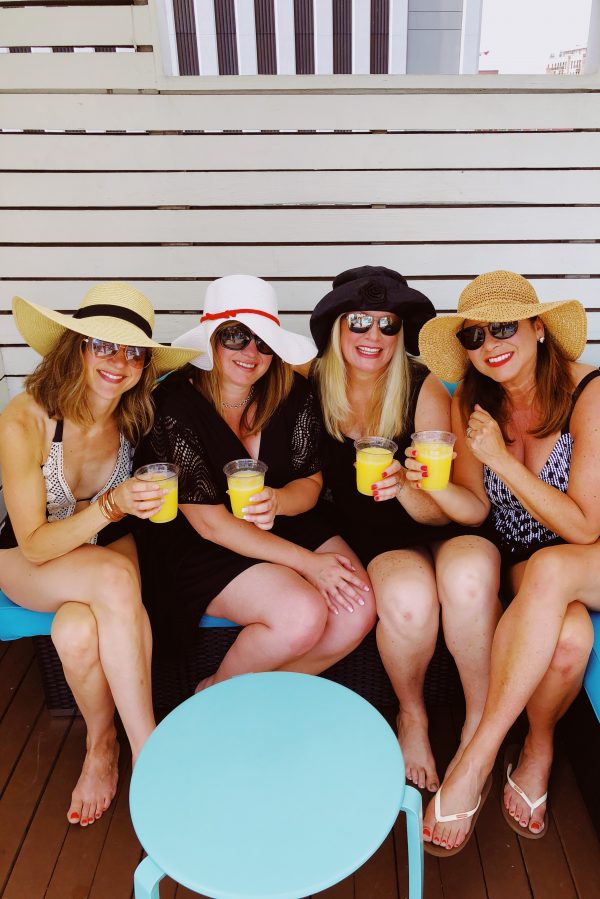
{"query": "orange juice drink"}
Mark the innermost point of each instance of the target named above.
(373, 455)
(164, 474)
(245, 478)
(434, 449)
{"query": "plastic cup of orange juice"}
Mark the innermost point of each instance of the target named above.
(165, 475)
(435, 450)
(373, 455)
(245, 478)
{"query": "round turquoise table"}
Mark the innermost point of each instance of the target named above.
(269, 786)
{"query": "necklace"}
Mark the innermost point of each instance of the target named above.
(239, 405)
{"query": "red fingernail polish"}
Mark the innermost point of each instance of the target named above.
(423, 468)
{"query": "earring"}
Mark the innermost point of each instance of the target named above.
(541, 339)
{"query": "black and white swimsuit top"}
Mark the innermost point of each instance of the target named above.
(516, 528)
(60, 502)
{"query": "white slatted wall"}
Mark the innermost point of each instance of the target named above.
(111, 169)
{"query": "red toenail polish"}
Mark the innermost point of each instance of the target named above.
(74, 816)
(426, 832)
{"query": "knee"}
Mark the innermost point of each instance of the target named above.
(574, 643)
(301, 621)
(75, 636)
(406, 607)
(469, 580)
(117, 588)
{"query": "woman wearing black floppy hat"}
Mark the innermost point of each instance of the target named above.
(369, 385)
(65, 450)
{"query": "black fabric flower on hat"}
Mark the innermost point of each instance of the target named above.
(374, 288)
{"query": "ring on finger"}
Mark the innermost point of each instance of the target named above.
(469, 432)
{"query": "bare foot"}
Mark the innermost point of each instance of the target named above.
(466, 735)
(418, 758)
(97, 783)
(531, 775)
(204, 683)
(459, 793)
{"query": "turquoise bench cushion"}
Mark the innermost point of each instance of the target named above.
(591, 681)
(16, 622)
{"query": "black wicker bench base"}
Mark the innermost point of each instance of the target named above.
(361, 671)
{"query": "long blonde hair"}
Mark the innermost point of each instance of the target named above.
(269, 391)
(59, 386)
(386, 414)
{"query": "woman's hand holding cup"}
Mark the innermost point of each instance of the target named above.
(264, 508)
(139, 498)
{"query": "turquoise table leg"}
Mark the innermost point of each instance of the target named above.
(411, 806)
(146, 880)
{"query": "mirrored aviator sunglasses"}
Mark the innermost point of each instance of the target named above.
(360, 323)
(473, 337)
(237, 337)
(104, 349)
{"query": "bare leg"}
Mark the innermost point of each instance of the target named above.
(75, 635)
(283, 616)
(468, 577)
(343, 632)
(523, 648)
(408, 607)
(106, 580)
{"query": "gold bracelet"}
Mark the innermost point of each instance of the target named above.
(109, 507)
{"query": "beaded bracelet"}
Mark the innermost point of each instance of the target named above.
(108, 506)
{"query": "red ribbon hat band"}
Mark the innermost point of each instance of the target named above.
(232, 313)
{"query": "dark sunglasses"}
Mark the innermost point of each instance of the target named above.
(237, 337)
(473, 337)
(104, 349)
(360, 323)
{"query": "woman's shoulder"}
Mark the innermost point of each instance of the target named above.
(24, 420)
(586, 396)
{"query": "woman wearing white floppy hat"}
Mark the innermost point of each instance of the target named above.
(65, 450)
(296, 587)
(526, 416)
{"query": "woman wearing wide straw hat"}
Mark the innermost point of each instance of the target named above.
(368, 385)
(299, 591)
(65, 450)
(526, 415)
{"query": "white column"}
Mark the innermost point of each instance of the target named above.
(323, 29)
(245, 33)
(470, 37)
(361, 37)
(592, 60)
(398, 37)
(206, 37)
(166, 31)
(285, 37)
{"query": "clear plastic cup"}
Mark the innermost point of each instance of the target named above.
(373, 455)
(245, 478)
(434, 449)
(165, 474)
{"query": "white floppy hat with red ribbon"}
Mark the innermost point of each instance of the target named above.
(252, 302)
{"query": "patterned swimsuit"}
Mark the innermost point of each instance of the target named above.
(518, 535)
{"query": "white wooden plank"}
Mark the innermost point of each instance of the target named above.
(203, 189)
(268, 110)
(299, 151)
(60, 71)
(75, 26)
(415, 261)
(323, 37)
(206, 37)
(398, 31)
(361, 36)
(285, 41)
(167, 38)
(245, 36)
(298, 225)
(293, 295)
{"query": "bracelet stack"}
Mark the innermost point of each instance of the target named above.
(108, 506)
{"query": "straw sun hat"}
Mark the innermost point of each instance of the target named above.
(499, 297)
(248, 301)
(114, 311)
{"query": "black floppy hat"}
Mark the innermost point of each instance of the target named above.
(376, 288)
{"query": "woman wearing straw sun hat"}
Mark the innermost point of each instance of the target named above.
(526, 415)
(65, 450)
(297, 588)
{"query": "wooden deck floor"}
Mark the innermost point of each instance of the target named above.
(41, 855)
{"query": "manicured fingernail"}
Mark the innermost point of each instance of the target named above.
(373, 487)
(384, 474)
(361, 602)
(424, 468)
(425, 474)
(366, 589)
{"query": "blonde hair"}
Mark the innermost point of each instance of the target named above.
(386, 414)
(269, 391)
(59, 386)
